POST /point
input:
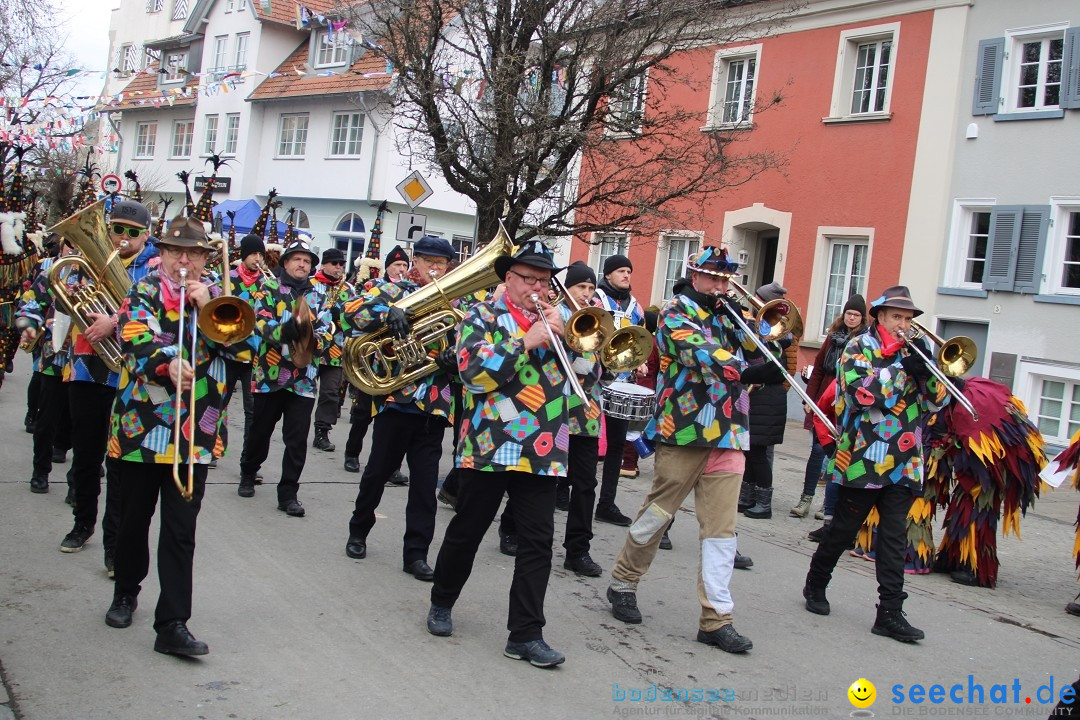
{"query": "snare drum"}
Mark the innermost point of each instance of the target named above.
(628, 401)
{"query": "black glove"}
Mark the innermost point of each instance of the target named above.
(447, 360)
(958, 382)
(915, 367)
(290, 330)
(765, 374)
(396, 322)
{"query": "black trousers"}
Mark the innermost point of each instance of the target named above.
(329, 402)
(33, 392)
(141, 484)
(616, 429)
(478, 499)
(450, 484)
(294, 411)
(852, 507)
(238, 372)
(361, 420)
(584, 453)
(759, 466)
(91, 410)
(52, 406)
(418, 438)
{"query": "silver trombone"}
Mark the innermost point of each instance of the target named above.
(909, 337)
(560, 352)
(186, 491)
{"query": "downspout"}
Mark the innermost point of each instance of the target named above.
(371, 168)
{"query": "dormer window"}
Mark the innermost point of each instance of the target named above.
(175, 67)
(330, 50)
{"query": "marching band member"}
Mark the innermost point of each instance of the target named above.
(92, 388)
(411, 421)
(883, 392)
(514, 439)
(282, 390)
(615, 296)
(141, 432)
(397, 263)
(700, 428)
(332, 290)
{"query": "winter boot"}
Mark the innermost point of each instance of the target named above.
(762, 509)
(322, 440)
(803, 508)
(892, 623)
(746, 496)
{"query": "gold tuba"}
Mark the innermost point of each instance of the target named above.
(379, 364)
(107, 279)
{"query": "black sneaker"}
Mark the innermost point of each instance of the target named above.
(352, 464)
(611, 514)
(110, 564)
(39, 484)
(742, 562)
(75, 540)
(727, 638)
(439, 621)
(819, 534)
(816, 602)
(247, 487)
(508, 544)
(624, 606)
(174, 638)
(892, 623)
(583, 565)
(292, 508)
(537, 652)
(119, 614)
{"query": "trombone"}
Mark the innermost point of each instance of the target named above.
(591, 329)
(954, 358)
(560, 352)
(186, 491)
(226, 319)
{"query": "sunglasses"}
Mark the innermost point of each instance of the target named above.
(334, 262)
(131, 232)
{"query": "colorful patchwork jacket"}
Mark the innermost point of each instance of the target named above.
(142, 423)
(37, 310)
(880, 410)
(515, 402)
(366, 313)
(699, 399)
(342, 291)
(273, 370)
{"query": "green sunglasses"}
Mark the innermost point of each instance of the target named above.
(132, 232)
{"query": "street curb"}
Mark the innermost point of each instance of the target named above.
(9, 709)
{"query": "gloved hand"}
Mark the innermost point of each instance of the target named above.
(915, 367)
(396, 322)
(447, 360)
(765, 374)
(290, 330)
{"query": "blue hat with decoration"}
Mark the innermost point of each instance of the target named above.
(712, 261)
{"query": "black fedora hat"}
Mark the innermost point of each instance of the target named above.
(300, 246)
(534, 253)
(897, 296)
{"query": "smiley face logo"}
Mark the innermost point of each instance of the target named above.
(862, 693)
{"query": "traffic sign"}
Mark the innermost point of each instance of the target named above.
(414, 189)
(410, 227)
(111, 184)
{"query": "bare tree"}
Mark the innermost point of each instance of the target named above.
(511, 100)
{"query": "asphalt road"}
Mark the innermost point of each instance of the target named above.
(298, 630)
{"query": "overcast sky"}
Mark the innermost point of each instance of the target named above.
(86, 23)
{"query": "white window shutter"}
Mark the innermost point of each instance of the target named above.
(1005, 221)
(988, 73)
(1070, 82)
(180, 10)
(1030, 247)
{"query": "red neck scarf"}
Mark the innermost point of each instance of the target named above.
(523, 317)
(327, 280)
(247, 277)
(889, 344)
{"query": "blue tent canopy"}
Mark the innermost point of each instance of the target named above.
(247, 214)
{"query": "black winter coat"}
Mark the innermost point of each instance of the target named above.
(768, 415)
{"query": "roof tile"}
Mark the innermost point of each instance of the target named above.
(367, 73)
(143, 92)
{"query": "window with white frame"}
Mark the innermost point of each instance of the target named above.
(346, 134)
(1029, 73)
(127, 59)
(862, 85)
(969, 241)
(153, 6)
(348, 235)
(183, 132)
(230, 5)
(463, 246)
(1070, 272)
(1057, 408)
(210, 136)
(1062, 264)
(734, 74)
(145, 139)
(175, 67)
(626, 106)
(607, 245)
(679, 248)
(232, 133)
(1038, 72)
(240, 56)
(180, 10)
(330, 49)
(292, 138)
(847, 270)
(221, 52)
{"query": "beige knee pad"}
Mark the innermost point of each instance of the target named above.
(652, 520)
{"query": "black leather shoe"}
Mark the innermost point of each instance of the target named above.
(665, 542)
(584, 565)
(447, 499)
(816, 602)
(439, 621)
(119, 614)
(352, 464)
(726, 638)
(507, 544)
(70, 497)
(818, 535)
(1073, 608)
(292, 508)
(175, 639)
(562, 499)
(59, 456)
(611, 514)
(420, 570)
(247, 487)
(624, 606)
(356, 547)
(397, 479)
(39, 484)
(964, 577)
(742, 562)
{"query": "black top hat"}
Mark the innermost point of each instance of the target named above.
(533, 253)
(299, 246)
(897, 296)
(185, 232)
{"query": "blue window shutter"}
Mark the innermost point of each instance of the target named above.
(988, 76)
(1030, 248)
(1001, 247)
(1070, 82)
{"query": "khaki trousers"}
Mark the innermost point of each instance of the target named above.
(678, 471)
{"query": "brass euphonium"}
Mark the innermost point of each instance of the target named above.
(107, 279)
(226, 319)
(378, 364)
(592, 329)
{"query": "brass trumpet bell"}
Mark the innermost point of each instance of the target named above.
(588, 329)
(226, 319)
(782, 317)
(955, 356)
(626, 349)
